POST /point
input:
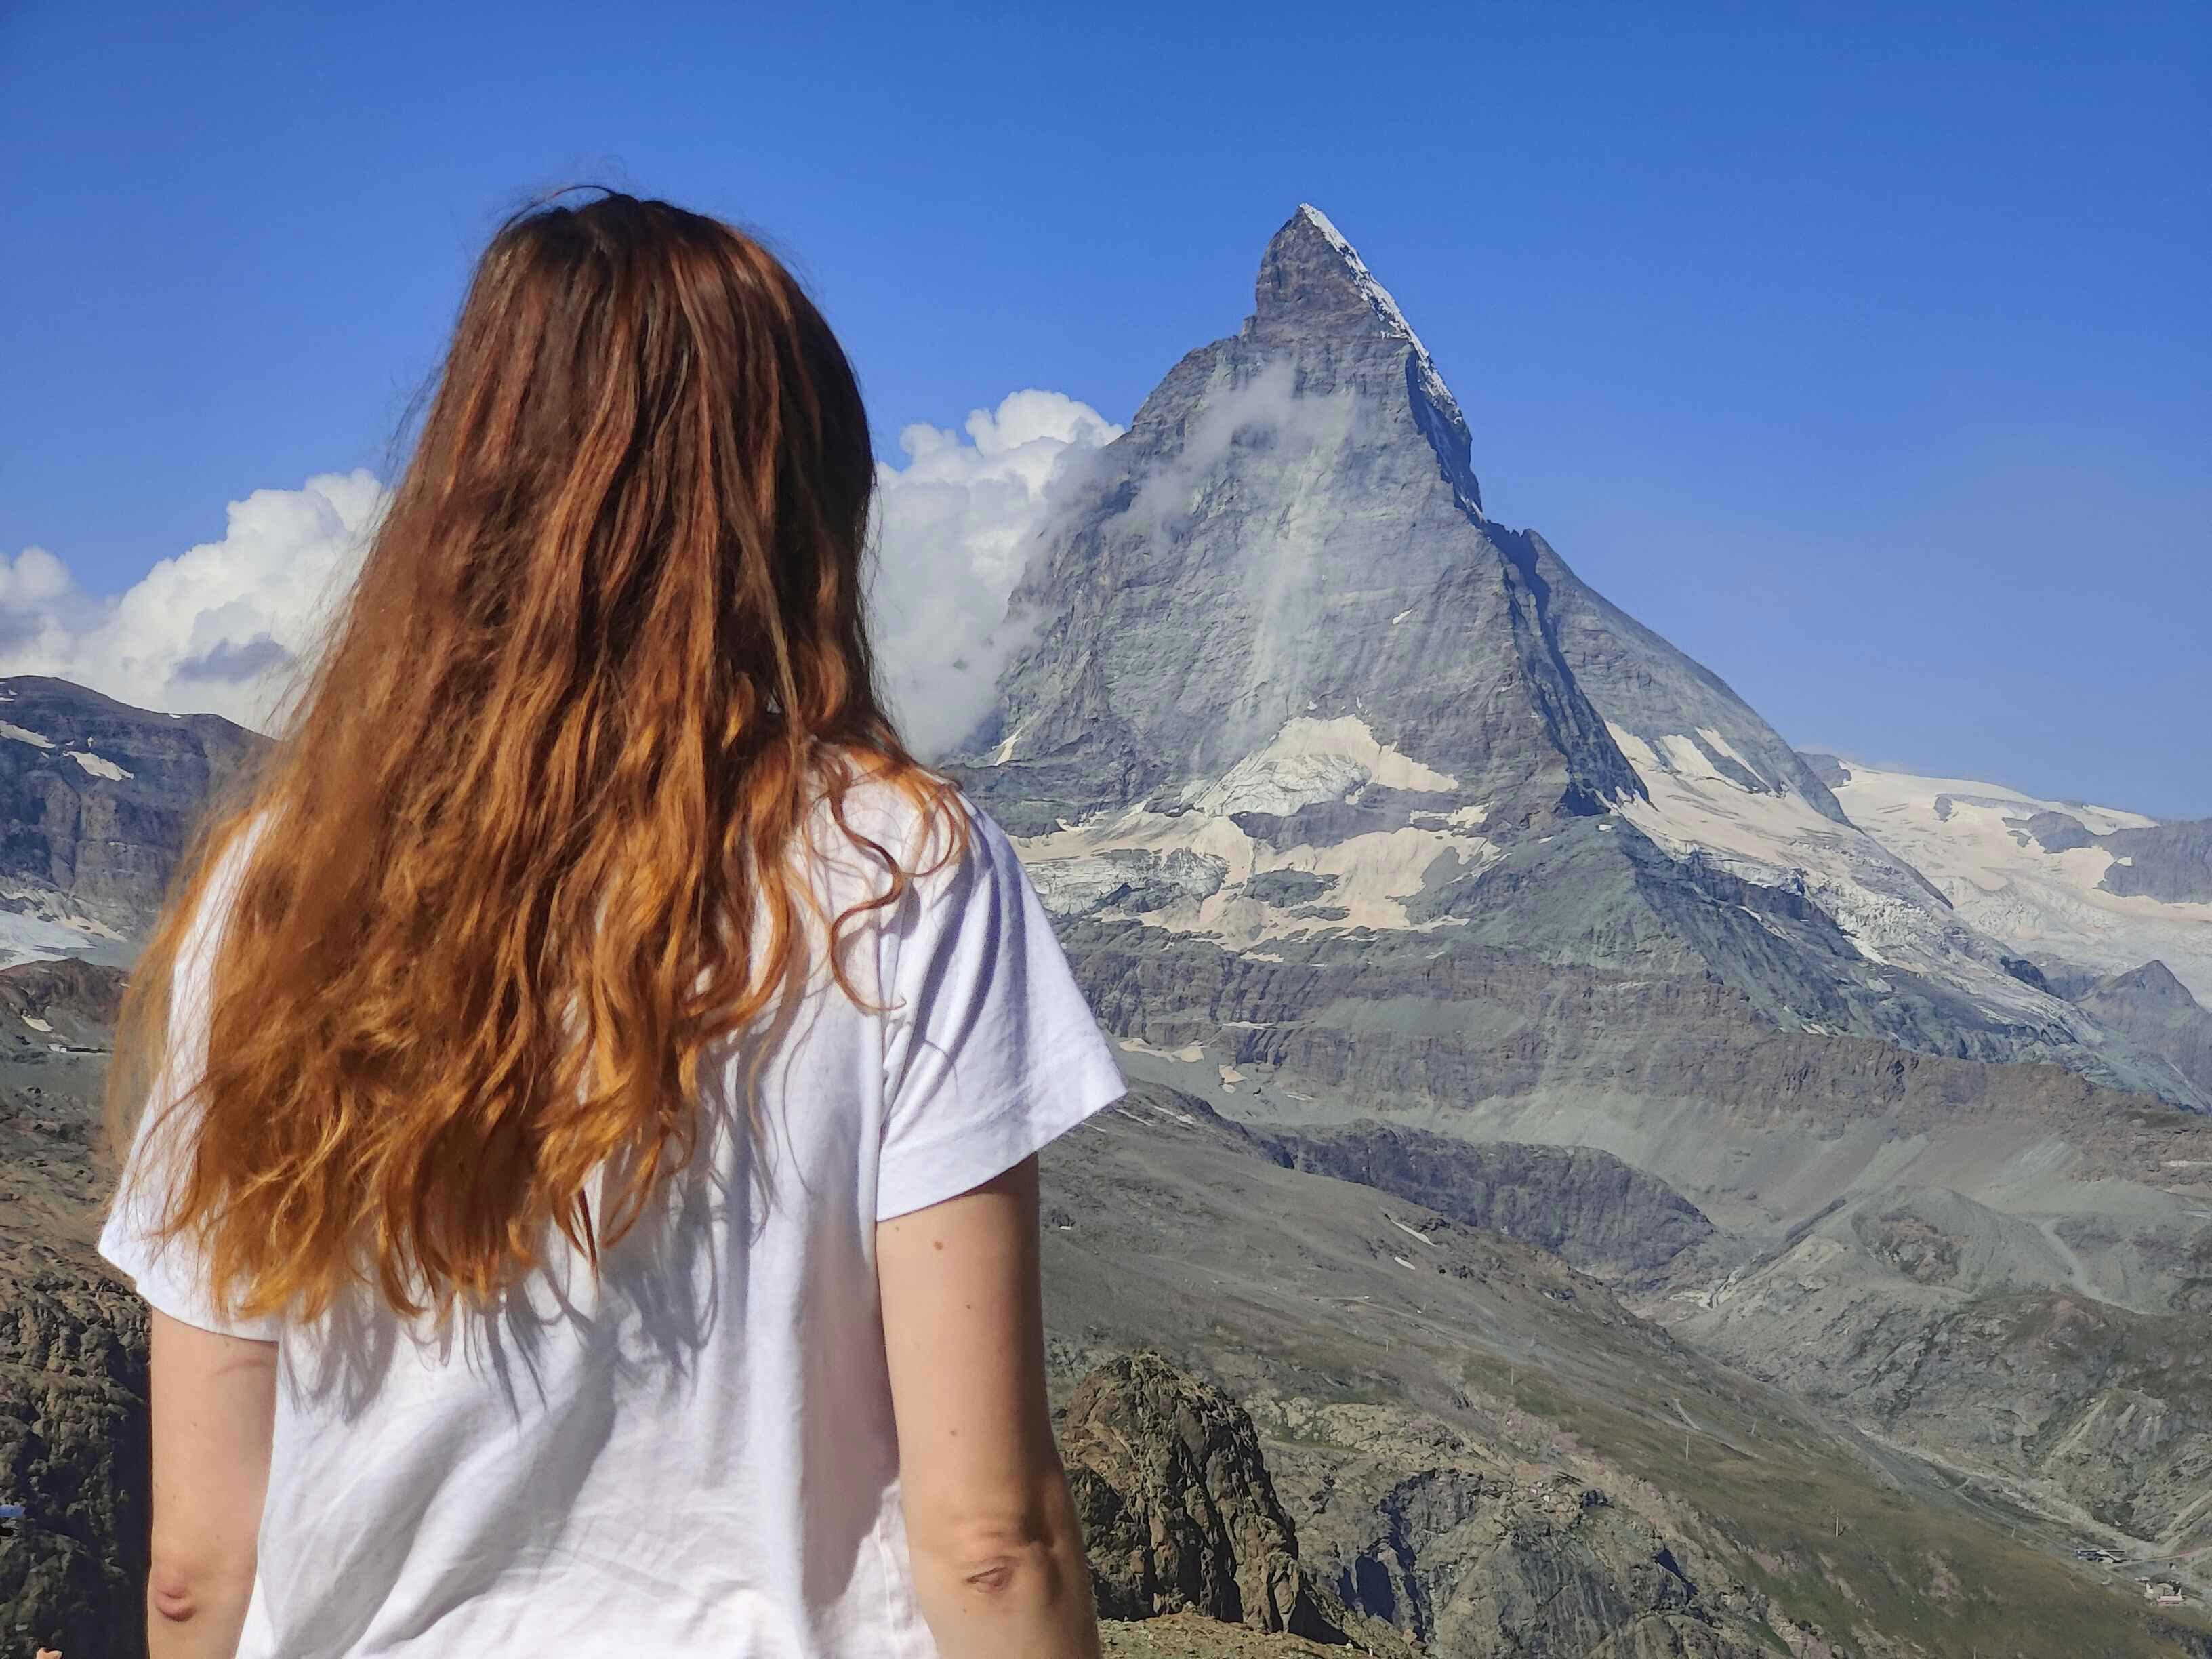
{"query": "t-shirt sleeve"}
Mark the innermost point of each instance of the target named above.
(990, 1050)
(169, 1274)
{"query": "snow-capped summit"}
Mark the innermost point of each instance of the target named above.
(1285, 676)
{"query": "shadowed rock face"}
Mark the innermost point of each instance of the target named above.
(1606, 1217)
(2168, 861)
(1177, 1509)
(2155, 1012)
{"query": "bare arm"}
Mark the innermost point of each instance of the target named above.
(998, 1560)
(215, 1403)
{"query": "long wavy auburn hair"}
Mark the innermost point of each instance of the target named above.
(522, 855)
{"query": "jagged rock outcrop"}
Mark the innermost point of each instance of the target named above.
(73, 1448)
(1177, 1509)
(1488, 1568)
(2171, 862)
(73, 1453)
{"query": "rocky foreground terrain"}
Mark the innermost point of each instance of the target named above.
(1297, 1412)
(1488, 1449)
(72, 1340)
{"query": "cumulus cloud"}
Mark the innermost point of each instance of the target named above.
(222, 627)
(214, 630)
(956, 528)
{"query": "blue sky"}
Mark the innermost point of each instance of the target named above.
(1862, 352)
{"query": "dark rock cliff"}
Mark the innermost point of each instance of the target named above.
(1606, 1217)
(73, 1448)
(98, 799)
(1177, 1509)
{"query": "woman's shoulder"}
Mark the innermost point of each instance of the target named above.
(919, 822)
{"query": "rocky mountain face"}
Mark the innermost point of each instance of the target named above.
(1178, 1511)
(2080, 1405)
(2155, 1012)
(1438, 659)
(2169, 862)
(97, 801)
(1285, 677)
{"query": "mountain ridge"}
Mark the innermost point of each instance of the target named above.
(1275, 636)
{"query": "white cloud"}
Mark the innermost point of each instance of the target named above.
(220, 628)
(956, 528)
(215, 629)
(1267, 409)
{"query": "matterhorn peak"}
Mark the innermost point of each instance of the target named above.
(1309, 253)
(1313, 285)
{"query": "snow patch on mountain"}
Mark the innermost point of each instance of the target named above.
(1310, 760)
(1079, 870)
(98, 765)
(1778, 840)
(1143, 861)
(1970, 838)
(36, 938)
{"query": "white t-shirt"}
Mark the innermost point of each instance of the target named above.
(692, 1454)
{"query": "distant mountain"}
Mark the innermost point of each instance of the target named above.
(2070, 884)
(97, 802)
(2154, 1011)
(1287, 678)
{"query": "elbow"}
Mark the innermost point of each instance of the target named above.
(1021, 1552)
(185, 1585)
